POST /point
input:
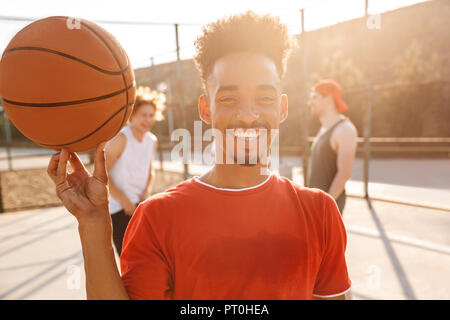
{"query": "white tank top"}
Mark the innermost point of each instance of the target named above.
(130, 172)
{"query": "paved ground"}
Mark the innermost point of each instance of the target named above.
(394, 252)
(27, 158)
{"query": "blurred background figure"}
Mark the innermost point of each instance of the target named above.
(334, 148)
(129, 161)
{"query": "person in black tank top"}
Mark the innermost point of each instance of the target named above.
(334, 148)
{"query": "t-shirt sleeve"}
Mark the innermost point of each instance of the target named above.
(145, 270)
(332, 279)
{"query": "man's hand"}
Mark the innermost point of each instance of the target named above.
(128, 206)
(145, 195)
(84, 195)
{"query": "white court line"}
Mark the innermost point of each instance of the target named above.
(400, 239)
(437, 198)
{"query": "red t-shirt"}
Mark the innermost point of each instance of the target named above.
(277, 240)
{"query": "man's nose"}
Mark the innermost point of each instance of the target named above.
(247, 113)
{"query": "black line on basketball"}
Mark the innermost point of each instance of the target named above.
(118, 63)
(90, 134)
(67, 103)
(68, 56)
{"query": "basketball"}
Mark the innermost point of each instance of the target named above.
(66, 83)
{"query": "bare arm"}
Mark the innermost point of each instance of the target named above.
(345, 141)
(151, 176)
(113, 151)
(103, 281)
(86, 197)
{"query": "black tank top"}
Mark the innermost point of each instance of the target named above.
(323, 164)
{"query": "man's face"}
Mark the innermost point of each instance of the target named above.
(320, 103)
(243, 97)
(144, 118)
(317, 103)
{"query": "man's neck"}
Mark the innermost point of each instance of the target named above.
(328, 119)
(235, 176)
(137, 134)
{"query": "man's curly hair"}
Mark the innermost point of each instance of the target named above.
(246, 32)
(145, 95)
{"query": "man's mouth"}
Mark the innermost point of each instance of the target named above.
(249, 134)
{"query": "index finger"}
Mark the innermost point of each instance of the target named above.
(75, 162)
(61, 171)
(100, 163)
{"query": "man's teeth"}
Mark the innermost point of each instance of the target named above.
(251, 133)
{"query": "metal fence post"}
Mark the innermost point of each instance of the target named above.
(8, 151)
(8, 139)
(181, 93)
(367, 133)
(305, 136)
(152, 73)
(367, 124)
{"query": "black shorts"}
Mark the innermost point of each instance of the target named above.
(341, 202)
(119, 222)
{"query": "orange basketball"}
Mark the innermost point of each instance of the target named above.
(66, 83)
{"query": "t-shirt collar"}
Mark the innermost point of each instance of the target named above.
(196, 178)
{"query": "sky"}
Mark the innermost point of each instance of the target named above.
(158, 41)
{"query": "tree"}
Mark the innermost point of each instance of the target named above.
(414, 108)
(341, 69)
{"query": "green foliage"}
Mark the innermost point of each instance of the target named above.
(413, 66)
(341, 69)
(416, 107)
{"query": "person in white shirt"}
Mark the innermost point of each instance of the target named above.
(129, 158)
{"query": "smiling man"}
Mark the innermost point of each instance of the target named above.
(236, 232)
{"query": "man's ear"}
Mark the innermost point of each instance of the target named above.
(330, 101)
(284, 107)
(204, 110)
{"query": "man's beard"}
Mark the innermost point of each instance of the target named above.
(247, 161)
(254, 155)
(251, 156)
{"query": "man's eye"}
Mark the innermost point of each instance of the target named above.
(227, 100)
(267, 99)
